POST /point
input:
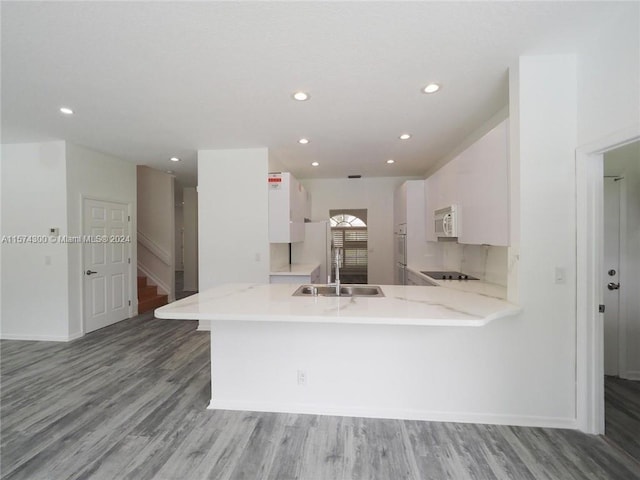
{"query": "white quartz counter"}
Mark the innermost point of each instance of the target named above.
(473, 286)
(402, 305)
(302, 269)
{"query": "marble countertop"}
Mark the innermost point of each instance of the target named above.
(473, 286)
(302, 269)
(402, 305)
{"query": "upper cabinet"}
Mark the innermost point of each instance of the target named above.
(287, 208)
(400, 207)
(477, 181)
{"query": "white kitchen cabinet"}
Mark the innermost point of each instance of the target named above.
(287, 205)
(483, 189)
(477, 181)
(440, 191)
(301, 274)
(409, 220)
(400, 206)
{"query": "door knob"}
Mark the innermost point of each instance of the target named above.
(613, 286)
(90, 272)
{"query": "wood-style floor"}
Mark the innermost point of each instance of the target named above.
(622, 414)
(128, 402)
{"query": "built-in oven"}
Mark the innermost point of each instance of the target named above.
(401, 254)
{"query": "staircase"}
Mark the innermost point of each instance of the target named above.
(148, 296)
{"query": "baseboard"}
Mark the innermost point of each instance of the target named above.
(75, 336)
(204, 325)
(631, 375)
(40, 338)
(399, 414)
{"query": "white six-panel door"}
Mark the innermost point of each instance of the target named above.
(106, 260)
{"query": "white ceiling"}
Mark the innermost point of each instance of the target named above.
(151, 80)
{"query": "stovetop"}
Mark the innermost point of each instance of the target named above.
(440, 275)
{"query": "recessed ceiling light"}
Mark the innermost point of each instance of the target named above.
(66, 110)
(301, 96)
(314, 164)
(405, 136)
(303, 141)
(170, 172)
(390, 161)
(431, 88)
(174, 159)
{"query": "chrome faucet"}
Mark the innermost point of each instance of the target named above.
(338, 260)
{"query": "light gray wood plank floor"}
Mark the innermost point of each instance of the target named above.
(129, 402)
(622, 414)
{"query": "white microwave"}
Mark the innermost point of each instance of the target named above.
(446, 221)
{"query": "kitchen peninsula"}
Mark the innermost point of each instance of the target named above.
(361, 356)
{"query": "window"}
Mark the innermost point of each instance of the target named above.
(349, 232)
(346, 220)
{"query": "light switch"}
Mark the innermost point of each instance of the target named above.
(560, 275)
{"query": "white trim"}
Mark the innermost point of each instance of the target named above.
(41, 338)
(154, 248)
(589, 232)
(204, 325)
(631, 375)
(393, 413)
(163, 287)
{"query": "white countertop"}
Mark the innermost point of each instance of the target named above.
(473, 286)
(402, 305)
(302, 269)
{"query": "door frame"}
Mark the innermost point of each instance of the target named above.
(132, 292)
(589, 277)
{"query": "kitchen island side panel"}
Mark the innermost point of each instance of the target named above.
(381, 371)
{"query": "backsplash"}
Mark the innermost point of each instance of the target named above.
(279, 255)
(488, 263)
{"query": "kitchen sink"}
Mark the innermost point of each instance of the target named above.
(345, 291)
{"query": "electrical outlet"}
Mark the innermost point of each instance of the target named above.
(302, 378)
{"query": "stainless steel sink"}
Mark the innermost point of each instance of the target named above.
(345, 291)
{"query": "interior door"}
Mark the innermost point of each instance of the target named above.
(611, 296)
(106, 259)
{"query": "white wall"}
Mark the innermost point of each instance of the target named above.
(625, 162)
(609, 77)
(92, 174)
(178, 213)
(233, 217)
(34, 275)
(376, 195)
(156, 228)
(547, 141)
(190, 216)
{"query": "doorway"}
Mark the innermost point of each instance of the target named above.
(106, 252)
(621, 219)
(611, 258)
(350, 233)
(591, 275)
